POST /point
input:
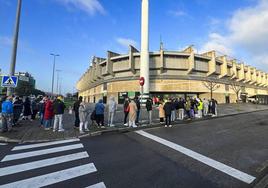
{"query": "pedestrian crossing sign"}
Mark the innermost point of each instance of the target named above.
(9, 81)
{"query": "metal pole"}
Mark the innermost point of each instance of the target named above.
(53, 73)
(15, 44)
(57, 91)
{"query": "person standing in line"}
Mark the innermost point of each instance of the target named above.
(168, 110)
(126, 111)
(200, 108)
(112, 109)
(83, 118)
(181, 108)
(205, 106)
(214, 107)
(99, 109)
(58, 110)
(188, 108)
(17, 109)
(48, 115)
(76, 111)
(149, 108)
(27, 111)
(161, 112)
(173, 112)
(132, 113)
(7, 114)
(41, 109)
(137, 101)
(34, 108)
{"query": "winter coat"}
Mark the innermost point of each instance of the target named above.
(99, 108)
(17, 108)
(161, 111)
(48, 110)
(126, 106)
(27, 108)
(168, 108)
(149, 105)
(180, 105)
(76, 106)
(200, 106)
(7, 107)
(83, 113)
(138, 103)
(112, 105)
(132, 111)
(58, 107)
(41, 107)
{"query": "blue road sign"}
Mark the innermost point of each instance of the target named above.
(9, 81)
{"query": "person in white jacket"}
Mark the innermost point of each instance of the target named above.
(83, 117)
(112, 108)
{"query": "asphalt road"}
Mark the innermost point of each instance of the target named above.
(224, 152)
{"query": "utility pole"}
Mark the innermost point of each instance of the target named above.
(15, 45)
(53, 73)
(58, 71)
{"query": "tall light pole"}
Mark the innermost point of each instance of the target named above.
(54, 61)
(144, 59)
(15, 45)
(58, 71)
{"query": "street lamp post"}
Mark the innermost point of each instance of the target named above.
(58, 71)
(53, 73)
(15, 45)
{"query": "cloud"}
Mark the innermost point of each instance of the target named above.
(218, 43)
(247, 32)
(177, 13)
(125, 42)
(89, 6)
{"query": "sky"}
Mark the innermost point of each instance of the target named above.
(77, 30)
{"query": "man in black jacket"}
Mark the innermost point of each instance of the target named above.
(168, 109)
(149, 108)
(58, 109)
(76, 112)
(137, 101)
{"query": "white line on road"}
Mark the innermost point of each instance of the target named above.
(208, 161)
(41, 152)
(52, 178)
(44, 144)
(3, 144)
(98, 185)
(41, 163)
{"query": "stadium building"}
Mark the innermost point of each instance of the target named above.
(173, 74)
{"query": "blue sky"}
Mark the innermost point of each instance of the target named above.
(80, 29)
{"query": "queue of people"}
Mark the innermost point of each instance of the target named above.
(15, 109)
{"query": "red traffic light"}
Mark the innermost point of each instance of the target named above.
(142, 81)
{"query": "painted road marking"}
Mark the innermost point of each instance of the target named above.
(44, 144)
(208, 161)
(3, 144)
(98, 185)
(52, 178)
(41, 152)
(41, 163)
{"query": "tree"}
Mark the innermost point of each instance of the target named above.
(211, 85)
(236, 87)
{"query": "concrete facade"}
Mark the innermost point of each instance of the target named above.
(172, 73)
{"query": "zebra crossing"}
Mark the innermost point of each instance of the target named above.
(46, 164)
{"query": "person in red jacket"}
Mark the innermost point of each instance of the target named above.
(48, 115)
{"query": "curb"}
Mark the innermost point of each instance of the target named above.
(124, 129)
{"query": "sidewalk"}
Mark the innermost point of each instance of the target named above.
(31, 132)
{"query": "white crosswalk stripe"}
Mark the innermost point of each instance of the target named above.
(44, 144)
(98, 185)
(3, 144)
(41, 152)
(47, 175)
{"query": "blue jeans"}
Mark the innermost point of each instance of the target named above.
(41, 118)
(48, 123)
